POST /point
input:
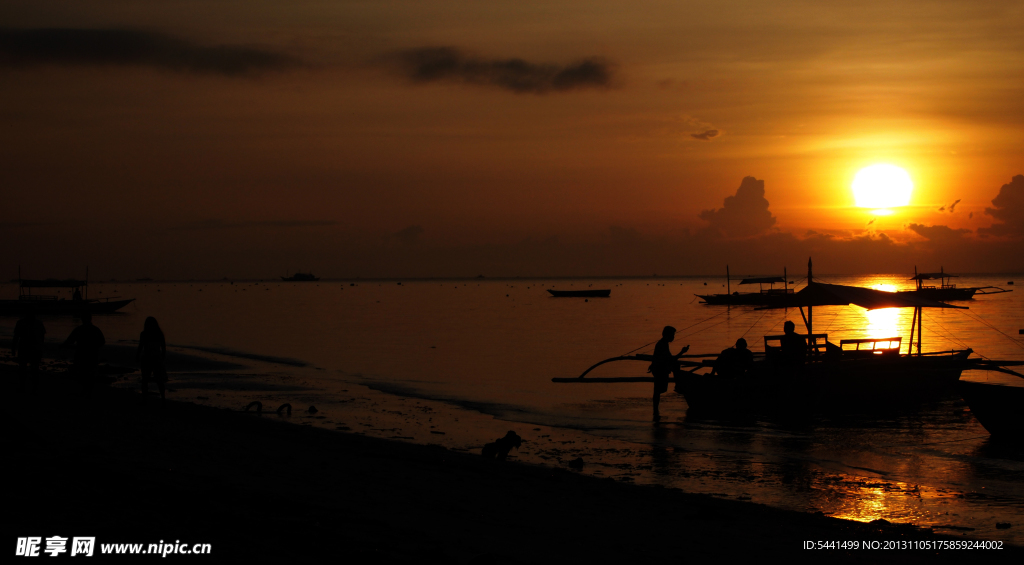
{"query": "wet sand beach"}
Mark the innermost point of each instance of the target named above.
(118, 467)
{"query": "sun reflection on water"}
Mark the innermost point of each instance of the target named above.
(883, 322)
(889, 501)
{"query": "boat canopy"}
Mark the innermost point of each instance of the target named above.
(930, 276)
(763, 280)
(52, 283)
(821, 294)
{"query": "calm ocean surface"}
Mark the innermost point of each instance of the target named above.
(460, 362)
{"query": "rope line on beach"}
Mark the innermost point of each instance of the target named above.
(950, 335)
(686, 328)
(754, 324)
(1004, 334)
(836, 316)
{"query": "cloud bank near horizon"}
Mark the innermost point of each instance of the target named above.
(449, 64)
(29, 48)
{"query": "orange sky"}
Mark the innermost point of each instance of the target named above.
(405, 138)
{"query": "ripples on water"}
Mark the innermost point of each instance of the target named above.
(476, 357)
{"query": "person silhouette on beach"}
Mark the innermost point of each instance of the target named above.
(663, 364)
(794, 346)
(87, 340)
(150, 355)
(27, 346)
(734, 361)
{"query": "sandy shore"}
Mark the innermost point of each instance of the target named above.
(122, 469)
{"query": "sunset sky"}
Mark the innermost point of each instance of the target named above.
(187, 139)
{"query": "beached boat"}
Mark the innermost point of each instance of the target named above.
(946, 290)
(856, 373)
(602, 293)
(763, 297)
(999, 407)
(49, 304)
(301, 277)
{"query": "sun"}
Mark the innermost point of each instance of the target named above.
(882, 187)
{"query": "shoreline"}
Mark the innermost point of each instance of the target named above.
(118, 467)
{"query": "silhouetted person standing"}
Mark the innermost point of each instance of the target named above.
(734, 361)
(87, 340)
(794, 346)
(27, 346)
(150, 355)
(664, 363)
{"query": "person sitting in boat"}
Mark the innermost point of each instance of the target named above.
(734, 361)
(794, 346)
(663, 364)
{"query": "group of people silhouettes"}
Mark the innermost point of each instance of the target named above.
(733, 362)
(87, 340)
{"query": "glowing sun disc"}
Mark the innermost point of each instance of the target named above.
(882, 187)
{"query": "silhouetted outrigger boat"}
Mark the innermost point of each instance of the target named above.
(48, 304)
(857, 373)
(763, 297)
(301, 277)
(946, 290)
(601, 293)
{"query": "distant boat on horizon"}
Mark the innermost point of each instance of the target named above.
(597, 293)
(301, 277)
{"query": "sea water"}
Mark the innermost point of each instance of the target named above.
(460, 362)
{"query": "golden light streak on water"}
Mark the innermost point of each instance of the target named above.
(883, 322)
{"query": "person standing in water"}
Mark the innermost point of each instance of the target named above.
(664, 363)
(87, 340)
(150, 355)
(27, 346)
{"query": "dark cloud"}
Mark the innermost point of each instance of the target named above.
(743, 215)
(409, 235)
(221, 224)
(706, 136)
(1008, 208)
(448, 64)
(129, 47)
(939, 234)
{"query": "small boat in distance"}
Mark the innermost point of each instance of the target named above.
(945, 290)
(602, 293)
(301, 277)
(763, 297)
(51, 304)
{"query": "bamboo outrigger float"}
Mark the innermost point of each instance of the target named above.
(861, 371)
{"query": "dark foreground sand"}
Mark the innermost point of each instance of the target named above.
(124, 470)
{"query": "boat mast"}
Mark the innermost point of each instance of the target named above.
(785, 280)
(727, 288)
(810, 309)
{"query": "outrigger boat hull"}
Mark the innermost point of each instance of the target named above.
(865, 383)
(999, 408)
